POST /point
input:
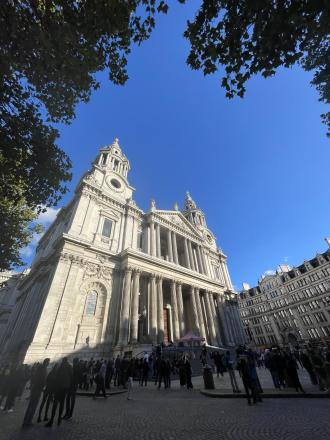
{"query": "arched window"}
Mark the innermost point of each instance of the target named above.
(91, 302)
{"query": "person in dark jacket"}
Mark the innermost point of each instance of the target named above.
(71, 395)
(48, 394)
(188, 370)
(38, 381)
(248, 373)
(14, 383)
(307, 364)
(63, 380)
(145, 372)
(291, 370)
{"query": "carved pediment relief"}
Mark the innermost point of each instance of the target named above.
(177, 219)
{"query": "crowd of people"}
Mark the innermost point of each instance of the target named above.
(53, 388)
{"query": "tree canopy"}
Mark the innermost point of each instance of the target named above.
(248, 37)
(50, 51)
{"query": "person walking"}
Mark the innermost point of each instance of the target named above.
(38, 381)
(63, 380)
(248, 374)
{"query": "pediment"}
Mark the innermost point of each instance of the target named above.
(177, 219)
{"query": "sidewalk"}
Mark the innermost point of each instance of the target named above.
(223, 387)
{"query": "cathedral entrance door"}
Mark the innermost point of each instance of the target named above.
(166, 325)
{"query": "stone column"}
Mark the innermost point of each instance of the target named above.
(202, 331)
(175, 317)
(302, 327)
(199, 260)
(175, 248)
(210, 319)
(124, 315)
(186, 254)
(225, 329)
(158, 251)
(135, 307)
(215, 320)
(239, 323)
(194, 310)
(169, 245)
(160, 310)
(191, 256)
(153, 309)
(152, 239)
(275, 328)
(180, 308)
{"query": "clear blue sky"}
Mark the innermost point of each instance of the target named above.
(258, 167)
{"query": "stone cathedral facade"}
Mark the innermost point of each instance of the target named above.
(108, 277)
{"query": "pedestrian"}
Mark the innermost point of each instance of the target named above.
(48, 394)
(247, 370)
(62, 384)
(162, 368)
(100, 381)
(291, 369)
(307, 364)
(71, 395)
(109, 373)
(145, 372)
(182, 373)
(231, 372)
(14, 385)
(130, 374)
(319, 367)
(188, 371)
(37, 383)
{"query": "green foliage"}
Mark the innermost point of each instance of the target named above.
(50, 51)
(248, 37)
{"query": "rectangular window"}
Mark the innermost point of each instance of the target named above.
(139, 240)
(106, 230)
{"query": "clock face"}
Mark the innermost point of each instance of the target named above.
(209, 238)
(115, 184)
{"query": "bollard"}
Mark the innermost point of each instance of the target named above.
(208, 378)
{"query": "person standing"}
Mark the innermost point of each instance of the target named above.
(307, 364)
(71, 395)
(63, 380)
(130, 374)
(291, 369)
(145, 372)
(231, 372)
(48, 394)
(100, 381)
(38, 381)
(188, 371)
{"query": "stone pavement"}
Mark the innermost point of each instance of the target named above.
(179, 414)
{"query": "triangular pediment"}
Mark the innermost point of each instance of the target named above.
(177, 219)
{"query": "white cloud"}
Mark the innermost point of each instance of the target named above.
(45, 218)
(269, 272)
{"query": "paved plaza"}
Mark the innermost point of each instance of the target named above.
(177, 414)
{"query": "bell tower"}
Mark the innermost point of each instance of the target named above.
(110, 169)
(193, 213)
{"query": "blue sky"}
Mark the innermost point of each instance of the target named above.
(258, 167)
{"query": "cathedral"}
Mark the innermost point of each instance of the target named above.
(109, 278)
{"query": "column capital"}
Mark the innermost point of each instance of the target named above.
(179, 283)
(136, 271)
(127, 269)
(152, 276)
(174, 282)
(159, 278)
